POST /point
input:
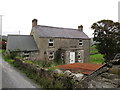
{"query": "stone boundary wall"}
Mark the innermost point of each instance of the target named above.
(69, 79)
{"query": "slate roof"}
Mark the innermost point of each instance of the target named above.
(21, 42)
(49, 31)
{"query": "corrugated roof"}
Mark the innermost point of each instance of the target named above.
(85, 68)
(49, 31)
(21, 42)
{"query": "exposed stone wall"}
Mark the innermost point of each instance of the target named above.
(31, 55)
(69, 79)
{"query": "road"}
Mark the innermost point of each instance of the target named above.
(13, 78)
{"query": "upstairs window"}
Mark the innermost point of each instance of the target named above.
(51, 43)
(80, 42)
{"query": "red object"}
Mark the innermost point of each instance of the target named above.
(84, 68)
(3, 44)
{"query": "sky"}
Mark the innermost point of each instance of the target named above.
(119, 11)
(18, 14)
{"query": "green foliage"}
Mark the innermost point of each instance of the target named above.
(28, 61)
(18, 57)
(8, 60)
(43, 63)
(58, 57)
(97, 58)
(107, 33)
(58, 84)
(2, 51)
(60, 74)
(52, 68)
(93, 50)
(11, 55)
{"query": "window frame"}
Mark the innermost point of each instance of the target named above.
(81, 42)
(51, 55)
(62, 56)
(50, 42)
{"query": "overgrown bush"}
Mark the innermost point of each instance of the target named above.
(58, 57)
(2, 51)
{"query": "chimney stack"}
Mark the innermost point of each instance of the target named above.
(34, 22)
(80, 28)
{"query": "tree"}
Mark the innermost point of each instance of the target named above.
(107, 34)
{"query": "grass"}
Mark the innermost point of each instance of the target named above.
(97, 59)
(95, 56)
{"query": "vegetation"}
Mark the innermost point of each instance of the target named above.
(93, 50)
(58, 59)
(52, 68)
(43, 81)
(95, 56)
(2, 51)
(43, 63)
(107, 33)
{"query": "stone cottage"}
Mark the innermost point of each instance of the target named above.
(73, 43)
(23, 45)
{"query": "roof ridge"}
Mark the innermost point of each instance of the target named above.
(57, 27)
(17, 35)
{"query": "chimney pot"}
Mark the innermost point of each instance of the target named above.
(80, 27)
(34, 22)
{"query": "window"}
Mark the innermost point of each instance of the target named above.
(51, 55)
(62, 56)
(80, 42)
(26, 55)
(79, 55)
(51, 43)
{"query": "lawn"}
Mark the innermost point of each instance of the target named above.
(95, 56)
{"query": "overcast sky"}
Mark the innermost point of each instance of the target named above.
(18, 14)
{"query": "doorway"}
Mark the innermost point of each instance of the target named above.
(72, 57)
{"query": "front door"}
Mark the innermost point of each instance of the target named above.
(72, 57)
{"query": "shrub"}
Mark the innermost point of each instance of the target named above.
(2, 51)
(28, 61)
(58, 59)
(52, 68)
(59, 84)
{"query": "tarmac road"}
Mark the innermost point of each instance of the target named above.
(13, 78)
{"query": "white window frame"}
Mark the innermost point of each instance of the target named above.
(51, 42)
(51, 55)
(80, 42)
(62, 56)
(79, 54)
